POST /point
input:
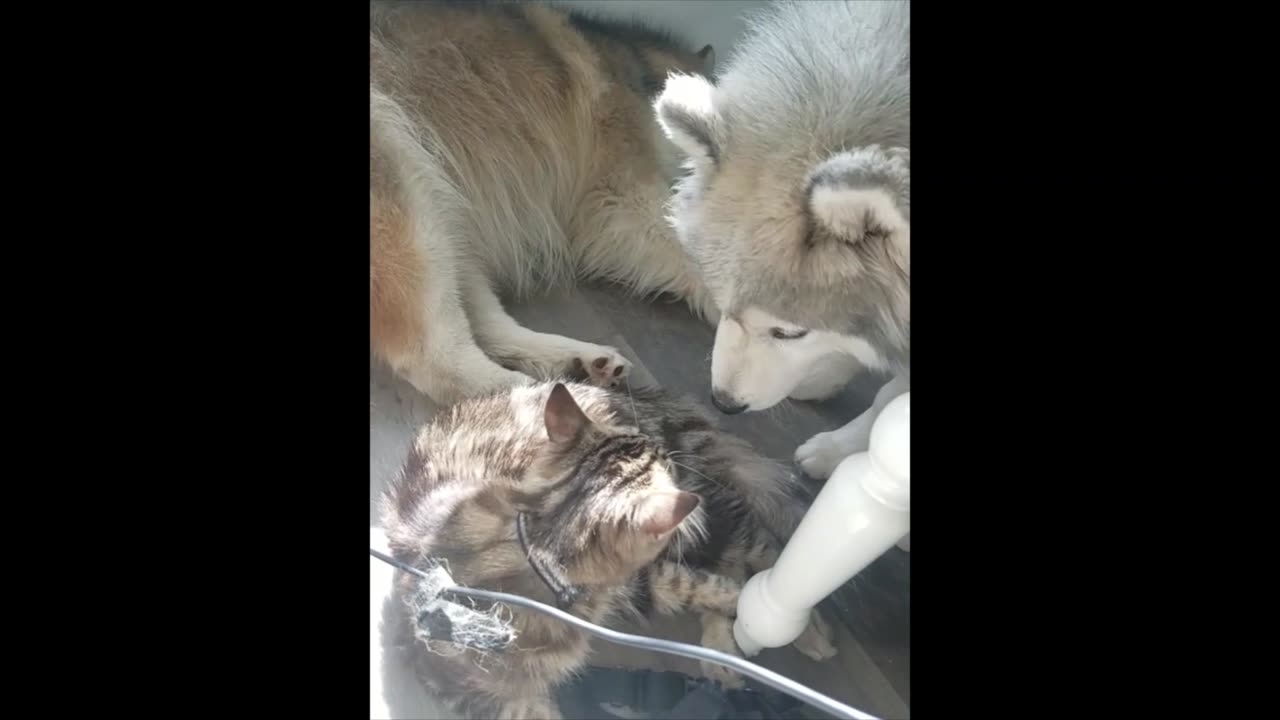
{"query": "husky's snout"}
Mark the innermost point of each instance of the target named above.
(726, 404)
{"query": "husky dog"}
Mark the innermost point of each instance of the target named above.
(512, 147)
(798, 209)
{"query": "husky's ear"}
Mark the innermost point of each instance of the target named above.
(563, 418)
(687, 115)
(864, 194)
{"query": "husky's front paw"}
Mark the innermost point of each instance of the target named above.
(602, 366)
(821, 454)
(824, 451)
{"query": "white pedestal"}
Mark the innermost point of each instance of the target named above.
(862, 511)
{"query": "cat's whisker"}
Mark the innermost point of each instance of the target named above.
(781, 411)
(678, 547)
(634, 413)
(695, 472)
(687, 454)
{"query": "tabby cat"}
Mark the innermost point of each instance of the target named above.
(605, 502)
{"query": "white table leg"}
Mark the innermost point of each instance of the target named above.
(861, 512)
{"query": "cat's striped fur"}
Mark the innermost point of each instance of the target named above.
(634, 498)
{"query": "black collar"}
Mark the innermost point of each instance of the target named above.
(565, 592)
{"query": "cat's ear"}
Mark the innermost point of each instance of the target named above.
(563, 418)
(660, 513)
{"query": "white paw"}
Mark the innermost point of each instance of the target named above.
(818, 641)
(729, 679)
(820, 455)
(602, 366)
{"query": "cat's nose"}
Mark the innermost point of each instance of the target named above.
(726, 404)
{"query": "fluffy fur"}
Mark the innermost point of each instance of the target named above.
(635, 500)
(797, 210)
(512, 148)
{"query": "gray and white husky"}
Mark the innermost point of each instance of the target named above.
(797, 210)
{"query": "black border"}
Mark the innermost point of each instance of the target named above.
(1022, 256)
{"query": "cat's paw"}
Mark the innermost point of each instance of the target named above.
(818, 641)
(820, 455)
(602, 366)
(717, 634)
(727, 678)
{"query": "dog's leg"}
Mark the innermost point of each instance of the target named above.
(444, 362)
(824, 451)
(416, 319)
(541, 355)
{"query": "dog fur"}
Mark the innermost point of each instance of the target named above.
(513, 149)
(797, 209)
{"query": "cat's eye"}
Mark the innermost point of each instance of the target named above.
(782, 334)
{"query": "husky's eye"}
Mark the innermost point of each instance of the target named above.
(780, 334)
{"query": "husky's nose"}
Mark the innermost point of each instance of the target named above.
(725, 404)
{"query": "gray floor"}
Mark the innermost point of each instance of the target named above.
(672, 348)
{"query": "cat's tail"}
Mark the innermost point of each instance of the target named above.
(776, 495)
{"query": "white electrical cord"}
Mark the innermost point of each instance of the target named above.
(697, 652)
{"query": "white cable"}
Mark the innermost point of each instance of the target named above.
(697, 652)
